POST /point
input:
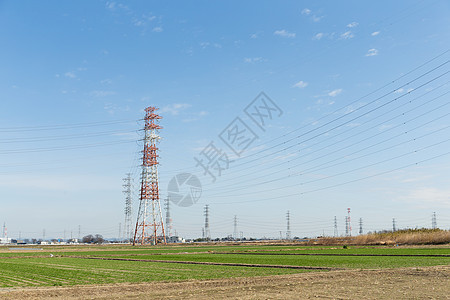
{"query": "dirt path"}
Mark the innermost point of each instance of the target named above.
(407, 283)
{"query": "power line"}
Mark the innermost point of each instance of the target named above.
(353, 119)
(356, 142)
(63, 126)
(346, 106)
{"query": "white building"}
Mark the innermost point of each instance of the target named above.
(5, 240)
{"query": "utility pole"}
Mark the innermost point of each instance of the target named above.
(168, 218)
(235, 232)
(149, 223)
(120, 230)
(335, 227)
(433, 221)
(360, 226)
(43, 234)
(128, 209)
(206, 214)
(5, 234)
(393, 225)
(79, 233)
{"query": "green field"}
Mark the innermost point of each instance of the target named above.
(74, 265)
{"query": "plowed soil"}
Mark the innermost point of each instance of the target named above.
(406, 283)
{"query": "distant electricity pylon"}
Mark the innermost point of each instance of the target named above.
(348, 224)
(207, 232)
(149, 222)
(168, 217)
(235, 232)
(127, 229)
(288, 226)
(5, 231)
(394, 228)
(335, 227)
(433, 221)
(360, 226)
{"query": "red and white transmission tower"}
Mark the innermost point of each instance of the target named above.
(149, 223)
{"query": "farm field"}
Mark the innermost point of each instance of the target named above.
(63, 269)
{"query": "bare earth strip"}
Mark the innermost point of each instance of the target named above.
(406, 283)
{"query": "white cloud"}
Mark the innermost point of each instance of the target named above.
(347, 35)
(175, 108)
(70, 75)
(316, 18)
(318, 36)
(252, 60)
(111, 5)
(254, 36)
(335, 92)
(301, 84)
(306, 11)
(429, 196)
(352, 24)
(110, 108)
(284, 33)
(400, 90)
(372, 52)
(205, 45)
(106, 81)
(385, 126)
(102, 93)
(195, 116)
(375, 33)
(157, 29)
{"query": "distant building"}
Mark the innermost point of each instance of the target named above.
(175, 239)
(5, 240)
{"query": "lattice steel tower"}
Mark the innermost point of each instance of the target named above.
(349, 224)
(207, 232)
(235, 232)
(288, 226)
(127, 227)
(168, 217)
(149, 223)
(433, 221)
(360, 226)
(335, 227)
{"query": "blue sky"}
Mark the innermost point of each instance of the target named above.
(361, 86)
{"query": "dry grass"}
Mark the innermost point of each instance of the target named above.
(401, 237)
